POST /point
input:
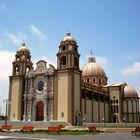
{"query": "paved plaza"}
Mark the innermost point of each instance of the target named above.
(102, 136)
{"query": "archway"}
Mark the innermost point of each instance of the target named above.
(77, 118)
(40, 111)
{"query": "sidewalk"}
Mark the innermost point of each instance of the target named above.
(102, 136)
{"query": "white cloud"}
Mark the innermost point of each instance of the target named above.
(6, 59)
(2, 7)
(16, 39)
(132, 70)
(37, 31)
(103, 61)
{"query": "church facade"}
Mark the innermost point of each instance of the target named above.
(67, 92)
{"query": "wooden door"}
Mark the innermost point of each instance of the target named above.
(40, 111)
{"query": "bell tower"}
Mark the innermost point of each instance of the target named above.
(68, 82)
(21, 65)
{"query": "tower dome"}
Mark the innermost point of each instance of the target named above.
(130, 92)
(23, 48)
(93, 73)
(68, 38)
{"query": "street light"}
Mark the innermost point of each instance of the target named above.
(103, 120)
(124, 120)
(6, 100)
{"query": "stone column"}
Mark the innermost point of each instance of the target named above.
(30, 110)
(25, 111)
(45, 110)
(127, 112)
(98, 107)
(133, 114)
(25, 98)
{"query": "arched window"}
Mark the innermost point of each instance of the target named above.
(17, 68)
(93, 80)
(129, 106)
(134, 106)
(17, 58)
(124, 107)
(137, 104)
(63, 60)
(76, 61)
(28, 59)
(40, 85)
(63, 48)
(75, 49)
(27, 69)
(88, 80)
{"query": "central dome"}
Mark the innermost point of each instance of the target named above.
(93, 73)
(92, 68)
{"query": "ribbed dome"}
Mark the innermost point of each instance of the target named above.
(68, 37)
(130, 91)
(23, 48)
(92, 68)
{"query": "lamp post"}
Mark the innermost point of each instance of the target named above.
(124, 120)
(6, 109)
(84, 122)
(103, 120)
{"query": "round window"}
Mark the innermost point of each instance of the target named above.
(40, 85)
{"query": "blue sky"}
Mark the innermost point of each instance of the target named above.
(110, 28)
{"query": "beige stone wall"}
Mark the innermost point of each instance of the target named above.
(107, 112)
(69, 98)
(101, 111)
(88, 115)
(16, 97)
(114, 92)
(88, 111)
(76, 93)
(83, 108)
(63, 96)
(95, 111)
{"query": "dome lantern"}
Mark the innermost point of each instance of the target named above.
(68, 38)
(23, 48)
(91, 58)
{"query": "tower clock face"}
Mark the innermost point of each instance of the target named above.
(23, 57)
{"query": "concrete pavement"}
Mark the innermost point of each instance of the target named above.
(102, 136)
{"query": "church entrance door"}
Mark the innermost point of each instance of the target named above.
(40, 111)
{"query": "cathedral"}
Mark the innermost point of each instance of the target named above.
(68, 93)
